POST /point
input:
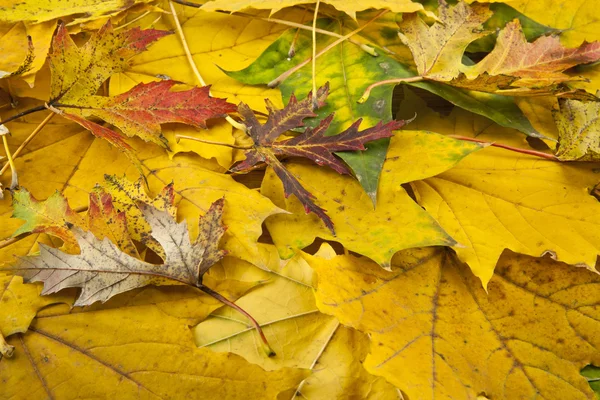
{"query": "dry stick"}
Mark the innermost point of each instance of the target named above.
(132, 21)
(15, 180)
(233, 146)
(314, 56)
(29, 139)
(192, 63)
(367, 92)
(275, 82)
(511, 148)
(24, 113)
(363, 46)
(231, 304)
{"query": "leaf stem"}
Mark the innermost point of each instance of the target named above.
(192, 63)
(314, 55)
(13, 168)
(239, 309)
(367, 92)
(233, 146)
(275, 82)
(507, 147)
(28, 140)
(24, 113)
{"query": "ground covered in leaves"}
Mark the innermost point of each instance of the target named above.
(383, 199)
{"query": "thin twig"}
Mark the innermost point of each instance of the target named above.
(8, 242)
(233, 146)
(28, 140)
(507, 147)
(192, 63)
(24, 113)
(239, 309)
(363, 46)
(132, 21)
(13, 168)
(275, 82)
(314, 55)
(367, 92)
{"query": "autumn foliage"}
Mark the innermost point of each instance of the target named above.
(299, 199)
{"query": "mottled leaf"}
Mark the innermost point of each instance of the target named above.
(102, 270)
(578, 126)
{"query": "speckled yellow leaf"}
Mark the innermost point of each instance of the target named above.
(18, 58)
(350, 7)
(441, 336)
(46, 10)
(20, 303)
(73, 163)
(438, 49)
(138, 346)
(497, 199)
(301, 336)
(396, 222)
(227, 40)
(578, 126)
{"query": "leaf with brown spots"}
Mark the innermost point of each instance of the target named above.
(311, 144)
(102, 270)
(526, 338)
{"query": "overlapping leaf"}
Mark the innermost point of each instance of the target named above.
(102, 270)
(77, 74)
(527, 337)
(413, 155)
(139, 346)
(302, 336)
(20, 303)
(578, 130)
(514, 66)
(438, 50)
(311, 144)
(349, 60)
(349, 7)
(46, 10)
(498, 199)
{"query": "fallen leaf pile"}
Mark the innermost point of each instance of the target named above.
(299, 199)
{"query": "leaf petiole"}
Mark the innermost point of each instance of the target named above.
(507, 147)
(268, 350)
(367, 92)
(233, 146)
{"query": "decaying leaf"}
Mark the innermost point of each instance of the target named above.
(52, 216)
(311, 144)
(102, 270)
(77, 74)
(578, 130)
(437, 50)
(460, 341)
(527, 65)
(514, 67)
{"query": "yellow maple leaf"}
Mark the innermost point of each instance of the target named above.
(139, 346)
(412, 155)
(444, 337)
(20, 303)
(301, 336)
(497, 199)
